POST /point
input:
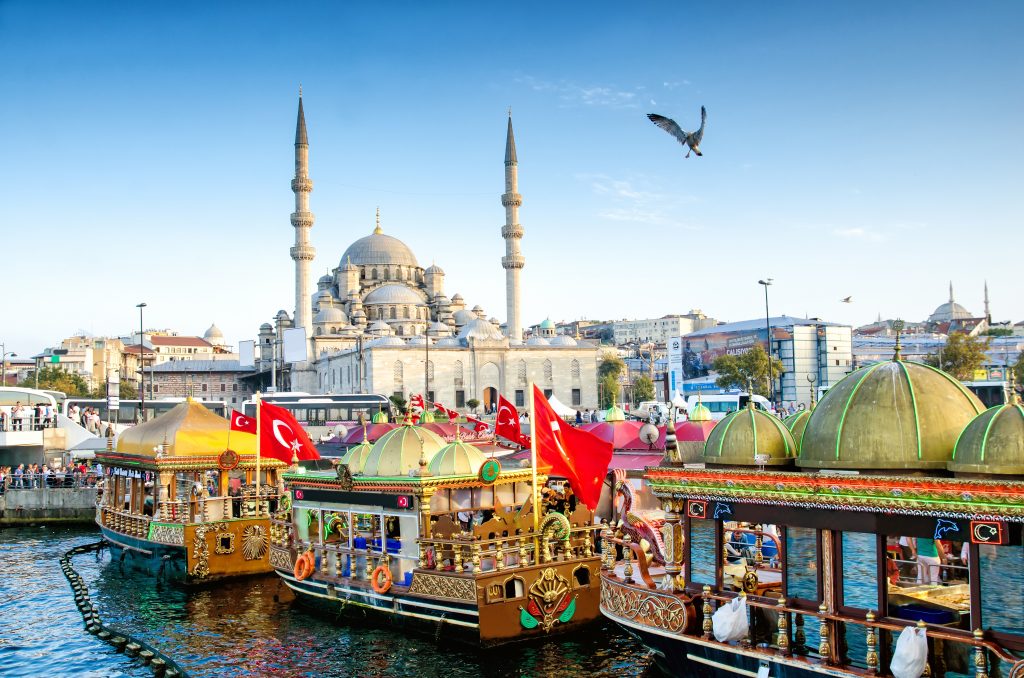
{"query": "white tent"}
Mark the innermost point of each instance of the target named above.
(560, 408)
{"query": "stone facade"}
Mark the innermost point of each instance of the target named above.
(215, 380)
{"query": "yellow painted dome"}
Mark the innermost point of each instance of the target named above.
(614, 413)
(457, 459)
(398, 451)
(891, 415)
(356, 456)
(796, 423)
(992, 443)
(739, 438)
(700, 412)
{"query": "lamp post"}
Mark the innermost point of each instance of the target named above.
(4, 355)
(142, 365)
(768, 326)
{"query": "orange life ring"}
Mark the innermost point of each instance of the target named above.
(381, 571)
(305, 565)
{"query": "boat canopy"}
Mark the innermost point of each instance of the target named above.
(187, 430)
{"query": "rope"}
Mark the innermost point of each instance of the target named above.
(161, 664)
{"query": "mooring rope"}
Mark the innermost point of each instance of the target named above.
(161, 664)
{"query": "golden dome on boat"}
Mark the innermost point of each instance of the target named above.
(992, 443)
(743, 436)
(188, 429)
(890, 415)
(700, 412)
(456, 459)
(398, 451)
(355, 457)
(796, 423)
(614, 413)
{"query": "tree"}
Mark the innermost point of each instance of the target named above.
(961, 356)
(747, 370)
(399, 403)
(643, 389)
(126, 391)
(1018, 369)
(609, 370)
(472, 404)
(610, 364)
(998, 332)
(56, 379)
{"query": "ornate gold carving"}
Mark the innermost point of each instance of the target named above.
(644, 606)
(548, 595)
(220, 548)
(167, 534)
(201, 550)
(254, 542)
(280, 559)
(441, 586)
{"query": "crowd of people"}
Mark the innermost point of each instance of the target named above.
(89, 418)
(19, 417)
(32, 476)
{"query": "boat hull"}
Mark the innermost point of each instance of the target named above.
(163, 560)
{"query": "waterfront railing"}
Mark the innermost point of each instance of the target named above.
(48, 481)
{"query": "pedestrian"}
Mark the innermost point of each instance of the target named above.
(40, 416)
(579, 417)
(930, 555)
(19, 476)
(16, 416)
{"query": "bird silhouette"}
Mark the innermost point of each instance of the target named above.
(847, 300)
(689, 139)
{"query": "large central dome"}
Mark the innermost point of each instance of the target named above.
(378, 248)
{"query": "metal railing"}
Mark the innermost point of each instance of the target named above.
(11, 424)
(49, 481)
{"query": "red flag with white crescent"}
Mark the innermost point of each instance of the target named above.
(240, 422)
(507, 423)
(478, 426)
(281, 435)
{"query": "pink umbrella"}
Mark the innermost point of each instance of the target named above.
(694, 431)
(623, 435)
(373, 432)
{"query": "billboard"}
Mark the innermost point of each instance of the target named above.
(700, 351)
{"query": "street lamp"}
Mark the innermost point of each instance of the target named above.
(4, 355)
(768, 326)
(142, 365)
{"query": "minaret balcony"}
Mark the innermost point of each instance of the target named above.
(513, 261)
(513, 231)
(511, 199)
(302, 252)
(302, 185)
(303, 219)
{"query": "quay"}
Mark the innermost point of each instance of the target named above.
(33, 499)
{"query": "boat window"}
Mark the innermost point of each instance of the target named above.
(702, 551)
(514, 588)
(582, 576)
(750, 558)
(1002, 587)
(802, 563)
(927, 580)
(860, 570)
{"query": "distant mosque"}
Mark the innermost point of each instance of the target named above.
(370, 320)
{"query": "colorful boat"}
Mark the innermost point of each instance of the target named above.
(180, 497)
(901, 515)
(438, 538)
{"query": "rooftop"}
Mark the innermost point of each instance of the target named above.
(782, 321)
(200, 366)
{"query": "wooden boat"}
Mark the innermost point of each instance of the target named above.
(180, 497)
(383, 535)
(896, 450)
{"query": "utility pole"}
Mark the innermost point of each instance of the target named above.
(768, 325)
(142, 365)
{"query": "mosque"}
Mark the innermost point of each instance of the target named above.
(381, 323)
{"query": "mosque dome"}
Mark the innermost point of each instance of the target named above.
(547, 324)
(398, 451)
(435, 270)
(464, 317)
(330, 314)
(379, 327)
(393, 293)
(739, 438)
(442, 300)
(214, 335)
(537, 341)
(378, 248)
(456, 459)
(796, 423)
(480, 329)
(325, 280)
(992, 443)
(386, 341)
(479, 311)
(891, 415)
(417, 340)
(950, 310)
(700, 412)
(323, 297)
(457, 297)
(355, 457)
(562, 340)
(437, 329)
(448, 342)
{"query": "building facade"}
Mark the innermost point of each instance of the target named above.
(215, 380)
(659, 330)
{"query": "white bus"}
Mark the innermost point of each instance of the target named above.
(721, 404)
(321, 415)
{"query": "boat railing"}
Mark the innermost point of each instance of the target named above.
(468, 554)
(213, 509)
(337, 560)
(125, 522)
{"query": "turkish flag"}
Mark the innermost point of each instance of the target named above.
(478, 426)
(578, 456)
(281, 435)
(240, 422)
(416, 400)
(507, 423)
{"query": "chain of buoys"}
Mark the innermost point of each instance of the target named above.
(161, 664)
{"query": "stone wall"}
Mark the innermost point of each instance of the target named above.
(63, 505)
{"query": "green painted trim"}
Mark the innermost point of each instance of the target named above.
(846, 407)
(961, 435)
(984, 439)
(729, 418)
(971, 398)
(779, 426)
(753, 427)
(913, 404)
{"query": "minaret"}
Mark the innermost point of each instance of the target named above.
(951, 291)
(988, 315)
(512, 232)
(302, 219)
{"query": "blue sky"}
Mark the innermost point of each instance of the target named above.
(865, 149)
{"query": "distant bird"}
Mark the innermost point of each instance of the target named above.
(847, 300)
(688, 139)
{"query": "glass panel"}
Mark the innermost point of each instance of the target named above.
(802, 563)
(702, 551)
(860, 571)
(927, 580)
(1001, 569)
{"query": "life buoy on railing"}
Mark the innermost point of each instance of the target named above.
(380, 580)
(305, 565)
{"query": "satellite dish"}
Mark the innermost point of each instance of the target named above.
(649, 433)
(339, 431)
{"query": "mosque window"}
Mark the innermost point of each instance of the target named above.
(406, 313)
(398, 375)
(319, 331)
(394, 313)
(373, 274)
(547, 371)
(387, 274)
(574, 370)
(457, 372)
(577, 397)
(401, 331)
(521, 371)
(401, 275)
(460, 399)
(520, 398)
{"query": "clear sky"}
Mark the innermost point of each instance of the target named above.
(869, 149)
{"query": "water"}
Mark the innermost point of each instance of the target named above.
(239, 629)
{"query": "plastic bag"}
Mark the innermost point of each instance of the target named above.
(910, 654)
(729, 622)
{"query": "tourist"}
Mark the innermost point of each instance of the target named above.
(579, 418)
(75, 414)
(930, 555)
(5, 417)
(19, 476)
(40, 416)
(16, 416)
(587, 417)
(48, 416)
(465, 519)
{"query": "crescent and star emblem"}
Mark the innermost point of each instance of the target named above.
(294, 445)
(241, 421)
(503, 410)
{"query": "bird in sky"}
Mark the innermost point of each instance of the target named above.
(689, 139)
(847, 300)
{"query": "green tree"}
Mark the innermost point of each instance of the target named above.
(609, 370)
(747, 370)
(998, 332)
(126, 391)
(610, 364)
(643, 389)
(472, 404)
(1018, 369)
(399, 403)
(56, 379)
(961, 355)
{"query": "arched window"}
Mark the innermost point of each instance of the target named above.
(457, 373)
(373, 274)
(319, 331)
(387, 274)
(547, 371)
(406, 313)
(334, 330)
(521, 372)
(399, 378)
(401, 275)
(574, 370)
(514, 588)
(394, 313)
(401, 331)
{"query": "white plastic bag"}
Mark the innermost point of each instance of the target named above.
(910, 654)
(729, 622)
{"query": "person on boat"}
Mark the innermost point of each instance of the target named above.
(930, 556)
(465, 519)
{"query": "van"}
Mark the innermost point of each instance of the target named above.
(722, 404)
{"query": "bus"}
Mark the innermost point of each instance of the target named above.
(991, 393)
(128, 412)
(321, 415)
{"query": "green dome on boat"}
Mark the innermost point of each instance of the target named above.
(739, 438)
(427, 417)
(456, 459)
(700, 412)
(614, 413)
(796, 423)
(992, 443)
(355, 457)
(890, 415)
(380, 417)
(398, 451)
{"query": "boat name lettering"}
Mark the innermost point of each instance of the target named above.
(395, 501)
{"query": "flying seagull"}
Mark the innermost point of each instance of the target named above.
(846, 300)
(689, 139)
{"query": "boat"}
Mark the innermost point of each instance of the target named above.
(789, 556)
(180, 497)
(437, 538)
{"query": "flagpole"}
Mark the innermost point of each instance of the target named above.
(258, 418)
(533, 465)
